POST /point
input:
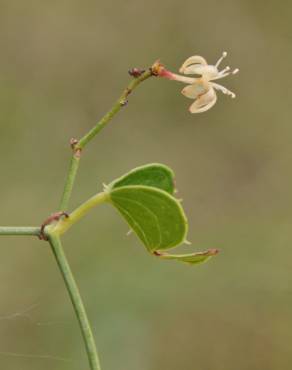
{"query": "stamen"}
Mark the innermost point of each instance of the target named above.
(235, 71)
(221, 76)
(224, 54)
(226, 69)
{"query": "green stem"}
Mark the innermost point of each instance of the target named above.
(74, 164)
(76, 301)
(19, 230)
(115, 109)
(92, 133)
(63, 225)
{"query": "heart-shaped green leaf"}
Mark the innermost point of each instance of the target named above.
(191, 258)
(154, 175)
(157, 217)
(144, 197)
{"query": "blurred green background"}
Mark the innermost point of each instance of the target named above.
(62, 65)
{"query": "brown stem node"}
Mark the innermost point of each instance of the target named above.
(136, 72)
(52, 218)
(74, 145)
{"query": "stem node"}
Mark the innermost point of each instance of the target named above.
(136, 72)
(53, 217)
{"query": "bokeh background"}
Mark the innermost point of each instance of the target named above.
(62, 64)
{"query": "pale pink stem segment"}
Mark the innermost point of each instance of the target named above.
(173, 76)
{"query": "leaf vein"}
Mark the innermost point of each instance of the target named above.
(149, 211)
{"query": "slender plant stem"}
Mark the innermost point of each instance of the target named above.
(74, 164)
(76, 301)
(121, 102)
(19, 230)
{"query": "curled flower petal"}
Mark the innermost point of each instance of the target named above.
(204, 102)
(196, 89)
(209, 72)
(194, 60)
(223, 89)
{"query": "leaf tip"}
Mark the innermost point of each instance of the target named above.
(187, 242)
(213, 251)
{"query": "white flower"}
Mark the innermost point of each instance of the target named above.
(202, 88)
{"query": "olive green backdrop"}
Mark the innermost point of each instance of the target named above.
(62, 64)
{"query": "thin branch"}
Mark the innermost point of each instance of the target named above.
(74, 164)
(76, 301)
(20, 230)
(80, 144)
(122, 101)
